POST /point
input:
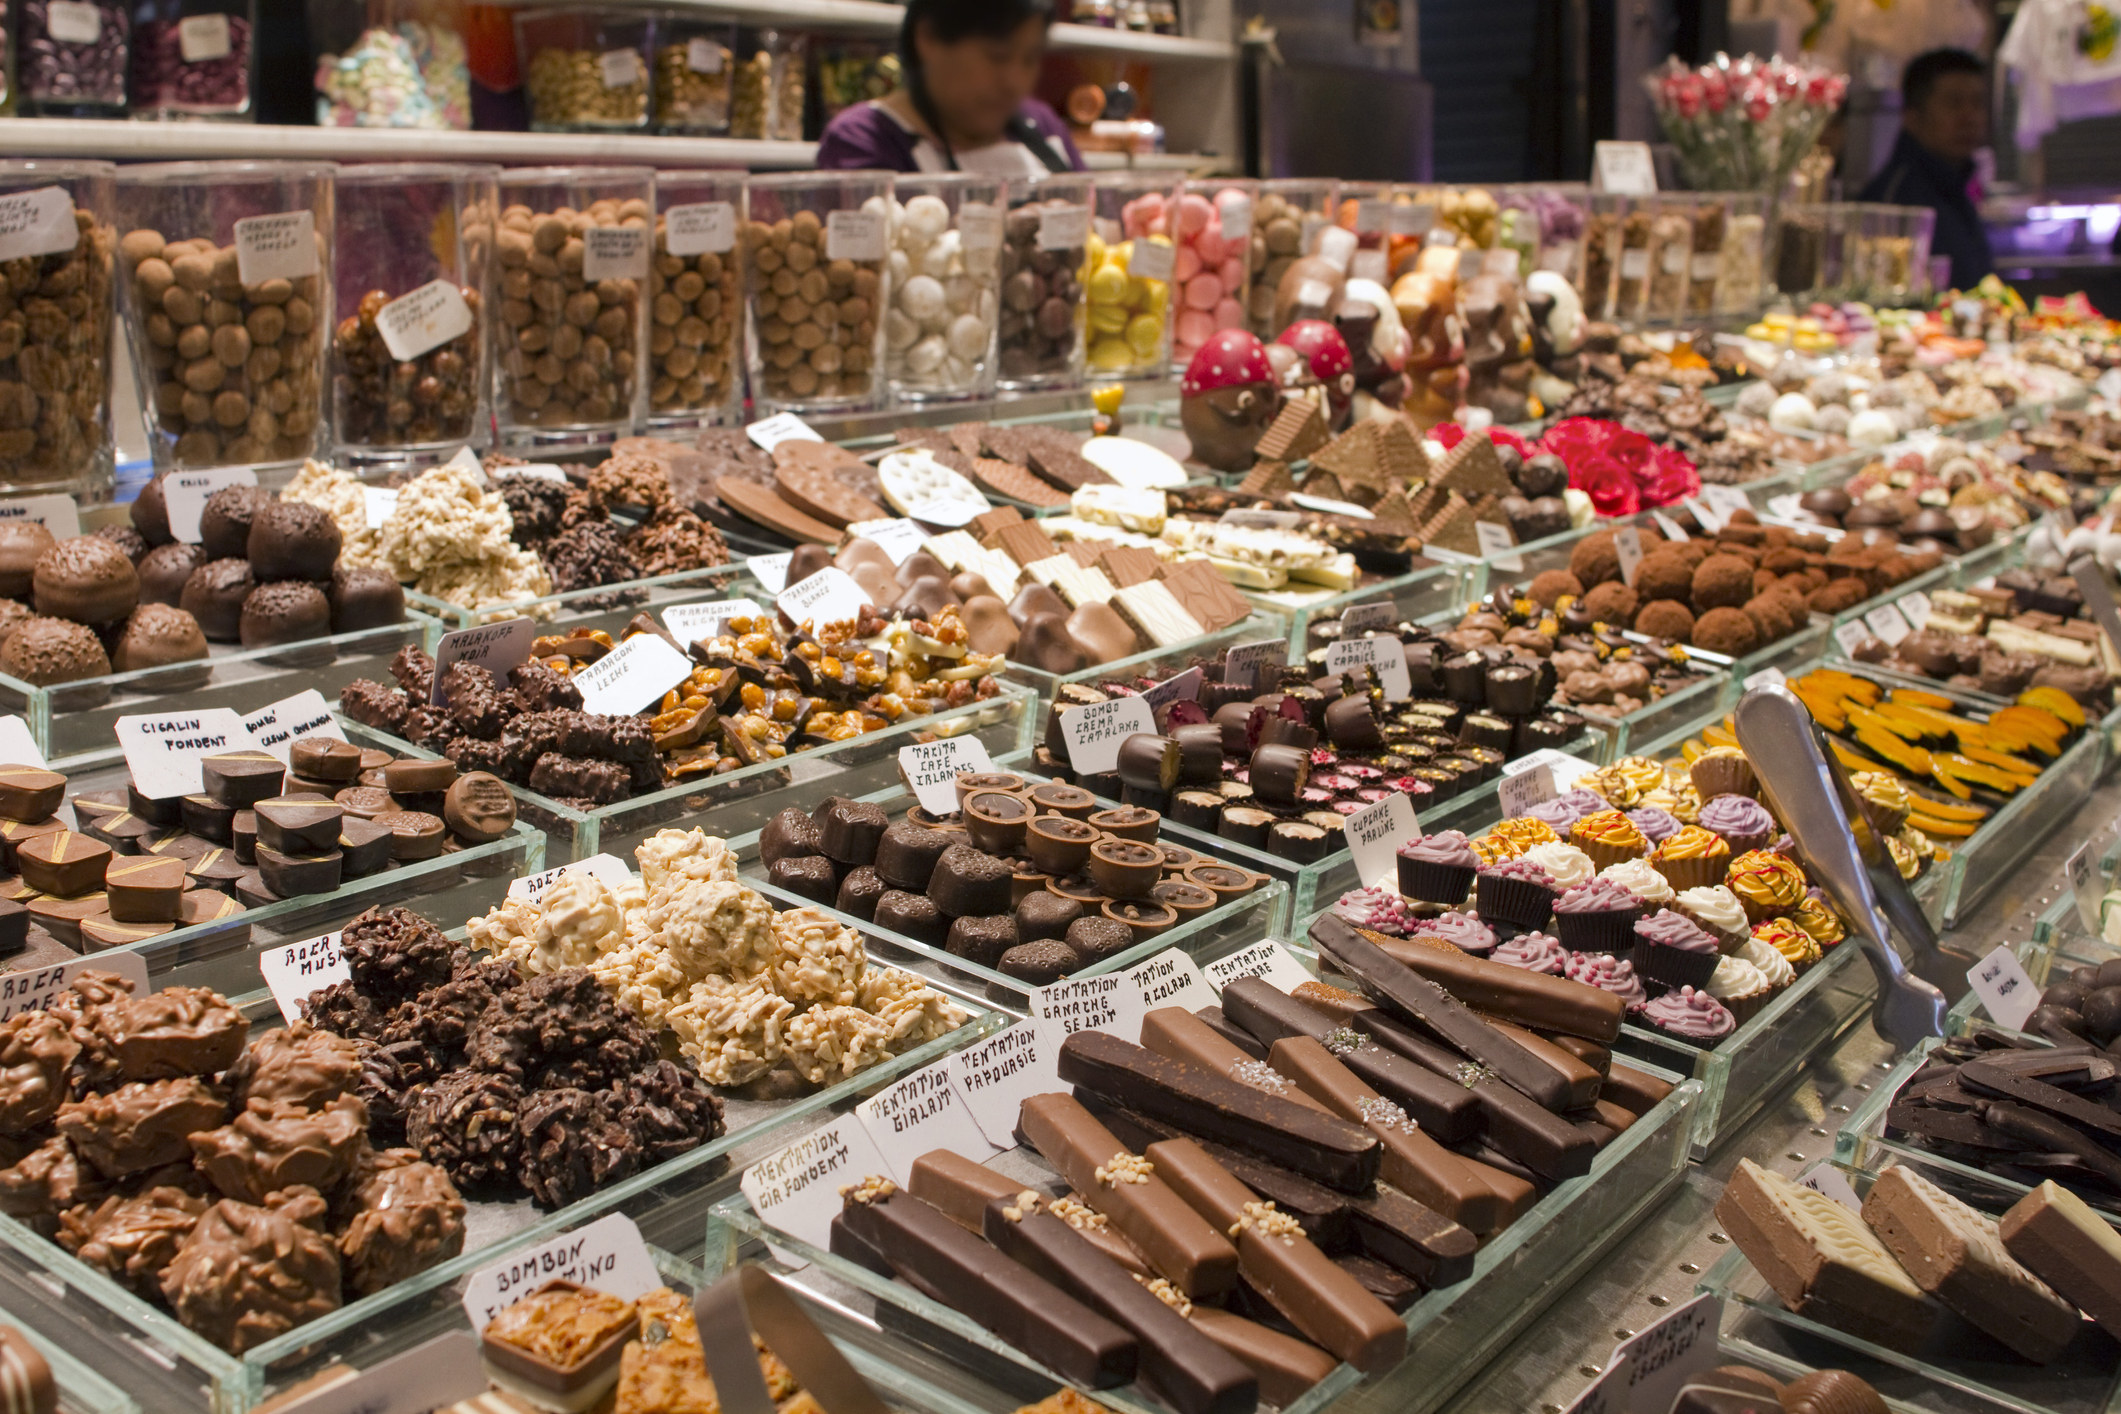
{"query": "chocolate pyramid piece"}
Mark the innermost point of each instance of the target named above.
(1472, 468)
(1452, 529)
(1352, 456)
(1489, 508)
(1298, 431)
(1393, 514)
(1400, 456)
(1324, 483)
(1270, 481)
(1425, 503)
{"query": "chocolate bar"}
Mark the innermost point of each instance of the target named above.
(1411, 1237)
(1635, 1089)
(1395, 1288)
(1582, 1080)
(2071, 1248)
(1318, 1298)
(1532, 999)
(941, 1260)
(1192, 1372)
(1233, 1033)
(957, 1187)
(1597, 1057)
(1177, 1034)
(1191, 1255)
(1297, 1137)
(1286, 1367)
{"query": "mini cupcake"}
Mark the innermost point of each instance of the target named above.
(1608, 837)
(1656, 825)
(1671, 952)
(1640, 878)
(1493, 849)
(1518, 834)
(1716, 910)
(1564, 810)
(1645, 773)
(1785, 937)
(1565, 864)
(1884, 800)
(1460, 930)
(1516, 893)
(1608, 974)
(1613, 786)
(1379, 910)
(1693, 858)
(1768, 885)
(1437, 868)
(1722, 770)
(1768, 963)
(1691, 1016)
(1596, 916)
(1739, 986)
(1534, 952)
(1821, 922)
(1743, 822)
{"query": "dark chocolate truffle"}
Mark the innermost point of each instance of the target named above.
(848, 830)
(365, 596)
(906, 853)
(1040, 962)
(859, 892)
(982, 940)
(224, 524)
(1096, 938)
(150, 513)
(912, 915)
(87, 580)
(164, 571)
(286, 611)
(293, 540)
(810, 875)
(214, 596)
(788, 834)
(1045, 915)
(968, 883)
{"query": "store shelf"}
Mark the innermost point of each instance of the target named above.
(1149, 161)
(1090, 39)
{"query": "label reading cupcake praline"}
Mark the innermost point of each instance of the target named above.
(1375, 834)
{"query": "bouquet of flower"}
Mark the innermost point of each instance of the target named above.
(1743, 124)
(1622, 471)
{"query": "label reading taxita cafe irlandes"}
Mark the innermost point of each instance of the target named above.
(279, 247)
(930, 769)
(700, 228)
(425, 319)
(615, 253)
(39, 222)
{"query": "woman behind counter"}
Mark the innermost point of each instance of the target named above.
(966, 104)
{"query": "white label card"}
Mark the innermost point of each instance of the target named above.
(298, 969)
(1705, 265)
(689, 623)
(1851, 635)
(33, 988)
(1886, 621)
(467, 461)
(1107, 1003)
(1624, 168)
(1413, 218)
(770, 432)
(632, 676)
(2006, 993)
(930, 769)
(1705, 515)
(495, 647)
(1726, 501)
(1170, 979)
(701, 227)
(856, 235)
(1237, 218)
(704, 56)
(1662, 1358)
(1566, 770)
(54, 512)
(185, 493)
(900, 539)
(979, 227)
(2080, 874)
(73, 22)
(1375, 834)
(17, 747)
(1364, 617)
(1373, 216)
(1627, 546)
(1497, 544)
(1519, 793)
(425, 319)
(39, 222)
(202, 39)
(1063, 227)
(1246, 662)
(2098, 593)
(1267, 959)
(534, 471)
(919, 1114)
(163, 752)
(771, 571)
(279, 247)
(607, 1255)
(1766, 677)
(1094, 732)
(1915, 608)
(612, 870)
(431, 1375)
(378, 505)
(1667, 527)
(1152, 260)
(1183, 688)
(1824, 1179)
(619, 68)
(276, 728)
(995, 1077)
(828, 597)
(1387, 654)
(1326, 505)
(615, 253)
(798, 1189)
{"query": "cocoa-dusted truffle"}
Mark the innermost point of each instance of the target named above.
(225, 522)
(366, 596)
(1549, 586)
(1722, 582)
(214, 595)
(155, 636)
(85, 579)
(1613, 603)
(405, 1216)
(1595, 560)
(44, 651)
(164, 571)
(293, 540)
(1727, 631)
(1666, 618)
(1665, 574)
(131, 541)
(22, 544)
(247, 1274)
(285, 611)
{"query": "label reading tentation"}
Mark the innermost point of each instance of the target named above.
(607, 1255)
(1387, 655)
(163, 752)
(700, 227)
(918, 1115)
(1108, 1003)
(632, 676)
(996, 1076)
(1375, 834)
(295, 971)
(425, 319)
(1093, 733)
(1170, 979)
(1265, 959)
(278, 247)
(930, 769)
(497, 648)
(798, 1189)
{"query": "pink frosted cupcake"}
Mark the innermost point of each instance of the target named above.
(1437, 868)
(1743, 822)
(1515, 893)
(1691, 1016)
(1608, 974)
(1672, 952)
(1596, 916)
(1460, 930)
(1534, 952)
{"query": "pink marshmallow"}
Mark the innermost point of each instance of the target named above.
(1232, 273)
(1229, 314)
(1203, 292)
(1194, 328)
(1212, 245)
(1194, 213)
(1186, 265)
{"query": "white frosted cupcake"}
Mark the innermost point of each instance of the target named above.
(1640, 878)
(1565, 864)
(1767, 962)
(1717, 910)
(1739, 986)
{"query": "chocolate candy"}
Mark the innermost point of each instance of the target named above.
(414, 834)
(290, 874)
(241, 778)
(1280, 773)
(2070, 1247)
(63, 863)
(30, 793)
(61, 917)
(66, 436)
(1287, 1368)
(849, 830)
(216, 869)
(144, 888)
(959, 1188)
(995, 821)
(243, 835)
(555, 321)
(14, 925)
(818, 315)
(120, 829)
(1177, 1034)
(408, 776)
(1126, 869)
(298, 826)
(1150, 762)
(102, 931)
(969, 883)
(1410, 1237)
(1041, 330)
(207, 818)
(479, 807)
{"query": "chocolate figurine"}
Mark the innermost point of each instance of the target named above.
(1331, 365)
(1378, 342)
(1498, 349)
(1426, 298)
(1230, 395)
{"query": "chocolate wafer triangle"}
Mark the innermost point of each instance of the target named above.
(1392, 513)
(1452, 528)
(1472, 468)
(1296, 432)
(1268, 480)
(1352, 456)
(1401, 458)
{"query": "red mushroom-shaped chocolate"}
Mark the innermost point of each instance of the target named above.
(1332, 365)
(1229, 398)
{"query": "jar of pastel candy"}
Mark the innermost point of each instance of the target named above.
(695, 300)
(1044, 257)
(816, 250)
(1286, 219)
(391, 64)
(73, 58)
(1132, 261)
(946, 239)
(194, 58)
(1212, 278)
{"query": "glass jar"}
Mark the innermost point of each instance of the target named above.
(854, 71)
(695, 294)
(411, 265)
(55, 378)
(1800, 248)
(767, 98)
(74, 57)
(194, 59)
(586, 70)
(227, 302)
(1741, 259)
(1365, 211)
(695, 67)
(1132, 261)
(1285, 221)
(573, 264)
(1898, 239)
(946, 238)
(1671, 253)
(817, 276)
(1603, 233)
(1211, 285)
(1632, 266)
(1045, 254)
(391, 64)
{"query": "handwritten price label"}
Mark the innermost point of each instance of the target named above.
(798, 1189)
(163, 752)
(2007, 994)
(995, 1077)
(1387, 655)
(930, 769)
(922, 1113)
(498, 648)
(1267, 959)
(1375, 834)
(1519, 793)
(1094, 732)
(607, 1255)
(299, 969)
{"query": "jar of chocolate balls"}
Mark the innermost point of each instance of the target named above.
(696, 301)
(817, 271)
(225, 286)
(946, 239)
(586, 69)
(1287, 219)
(57, 248)
(1045, 258)
(73, 57)
(408, 354)
(1133, 259)
(194, 59)
(574, 253)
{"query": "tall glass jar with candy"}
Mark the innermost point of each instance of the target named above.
(1285, 222)
(695, 68)
(74, 57)
(194, 59)
(1044, 261)
(696, 300)
(946, 239)
(1132, 261)
(391, 64)
(58, 247)
(1212, 282)
(586, 70)
(818, 277)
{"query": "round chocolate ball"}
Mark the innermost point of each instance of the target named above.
(285, 611)
(44, 651)
(151, 514)
(22, 544)
(365, 596)
(155, 636)
(214, 596)
(164, 571)
(87, 580)
(1543, 475)
(1828, 501)
(131, 541)
(224, 526)
(293, 540)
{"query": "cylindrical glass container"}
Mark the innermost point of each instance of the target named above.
(1632, 266)
(939, 328)
(1285, 221)
(766, 100)
(1671, 253)
(74, 57)
(1472, 213)
(1712, 222)
(1800, 248)
(817, 273)
(586, 70)
(1045, 254)
(412, 261)
(570, 342)
(1899, 247)
(695, 65)
(1365, 208)
(1132, 261)
(695, 292)
(1211, 285)
(194, 59)
(391, 64)
(1603, 232)
(854, 71)
(1741, 260)
(55, 336)
(227, 302)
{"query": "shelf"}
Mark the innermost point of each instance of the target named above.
(1150, 161)
(1092, 39)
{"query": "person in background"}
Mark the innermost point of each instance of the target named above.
(1943, 122)
(966, 105)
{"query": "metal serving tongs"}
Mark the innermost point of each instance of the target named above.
(1809, 793)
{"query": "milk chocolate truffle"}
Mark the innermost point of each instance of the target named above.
(293, 540)
(407, 1217)
(22, 544)
(365, 596)
(46, 651)
(150, 513)
(214, 596)
(247, 1274)
(164, 572)
(286, 611)
(1046, 644)
(225, 522)
(87, 580)
(155, 636)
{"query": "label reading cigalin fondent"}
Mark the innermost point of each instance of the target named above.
(163, 751)
(798, 1189)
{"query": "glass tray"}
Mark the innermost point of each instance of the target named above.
(75, 720)
(1157, 663)
(579, 606)
(1433, 589)
(1788, 656)
(746, 799)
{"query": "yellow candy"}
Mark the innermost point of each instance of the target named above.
(1108, 398)
(1145, 334)
(1111, 356)
(1094, 252)
(1158, 297)
(1108, 286)
(1108, 319)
